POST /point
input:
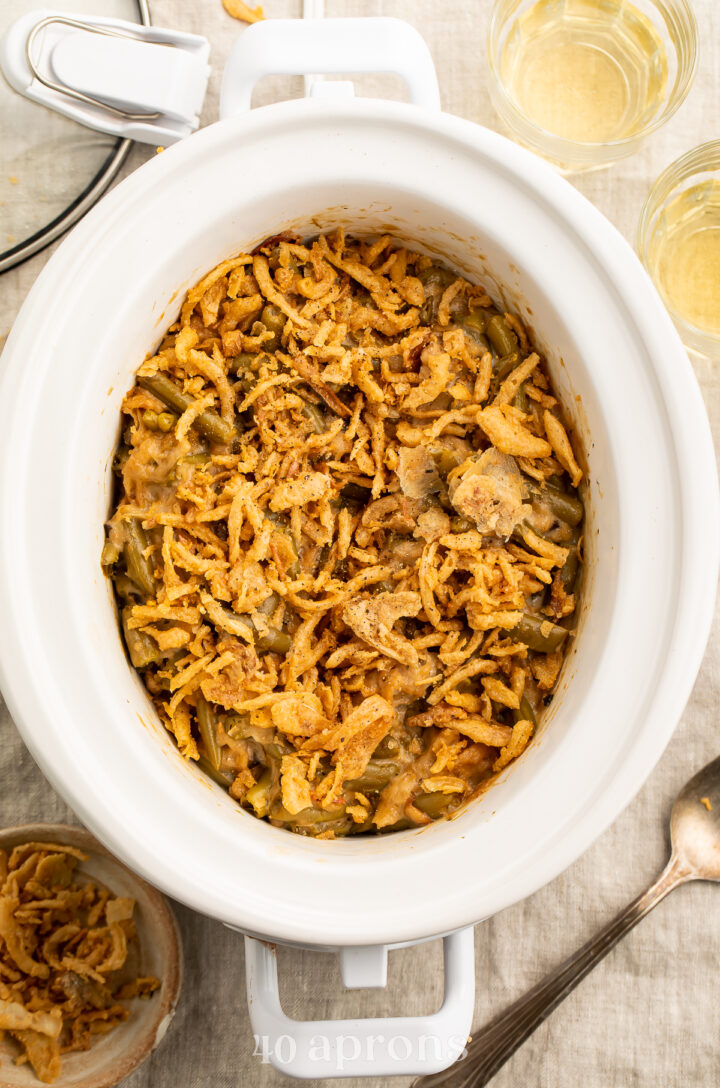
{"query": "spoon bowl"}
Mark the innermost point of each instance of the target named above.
(695, 825)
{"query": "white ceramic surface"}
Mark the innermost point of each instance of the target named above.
(495, 213)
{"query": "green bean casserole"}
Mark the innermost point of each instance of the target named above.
(347, 534)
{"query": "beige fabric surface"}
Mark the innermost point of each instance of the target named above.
(650, 1014)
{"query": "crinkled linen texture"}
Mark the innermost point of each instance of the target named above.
(650, 1014)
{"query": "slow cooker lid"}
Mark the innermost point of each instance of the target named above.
(54, 169)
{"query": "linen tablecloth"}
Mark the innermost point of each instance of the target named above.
(650, 1014)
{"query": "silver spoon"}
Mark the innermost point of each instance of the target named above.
(695, 838)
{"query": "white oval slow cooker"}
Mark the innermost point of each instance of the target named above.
(497, 214)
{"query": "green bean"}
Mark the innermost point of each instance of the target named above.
(402, 824)
(500, 335)
(388, 746)
(206, 727)
(222, 778)
(274, 641)
(143, 649)
(166, 421)
(375, 777)
(520, 400)
(436, 279)
(567, 508)
(505, 366)
(208, 423)
(461, 525)
(195, 458)
(525, 712)
(315, 416)
(237, 625)
(242, 361)
(436, 276)
(473, 325)
(237, 725)
(166, 391)
(306, 817)
(338, 827)
(539, 634)
(317, 816)
(446, 459)
(259, 794)
(569, 570)
(475, 320)
(433, 804)
(191, 459)
(523, 527)
(275, 751)
(137, 564)
(274, 320)
(361, 829)
(269, 605)
(109, 555)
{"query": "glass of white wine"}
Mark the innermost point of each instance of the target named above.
(583, 82)
(679, 244)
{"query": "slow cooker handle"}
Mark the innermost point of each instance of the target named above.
(325, 46)
(390, 1046)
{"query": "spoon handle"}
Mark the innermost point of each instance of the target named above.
(492, 1045)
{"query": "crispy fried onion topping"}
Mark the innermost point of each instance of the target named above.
(64, 942)
(347, 535)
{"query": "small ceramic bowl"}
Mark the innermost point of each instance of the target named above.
(114, 1056)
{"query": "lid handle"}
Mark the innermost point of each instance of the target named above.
(132, 81)
(164, 81)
